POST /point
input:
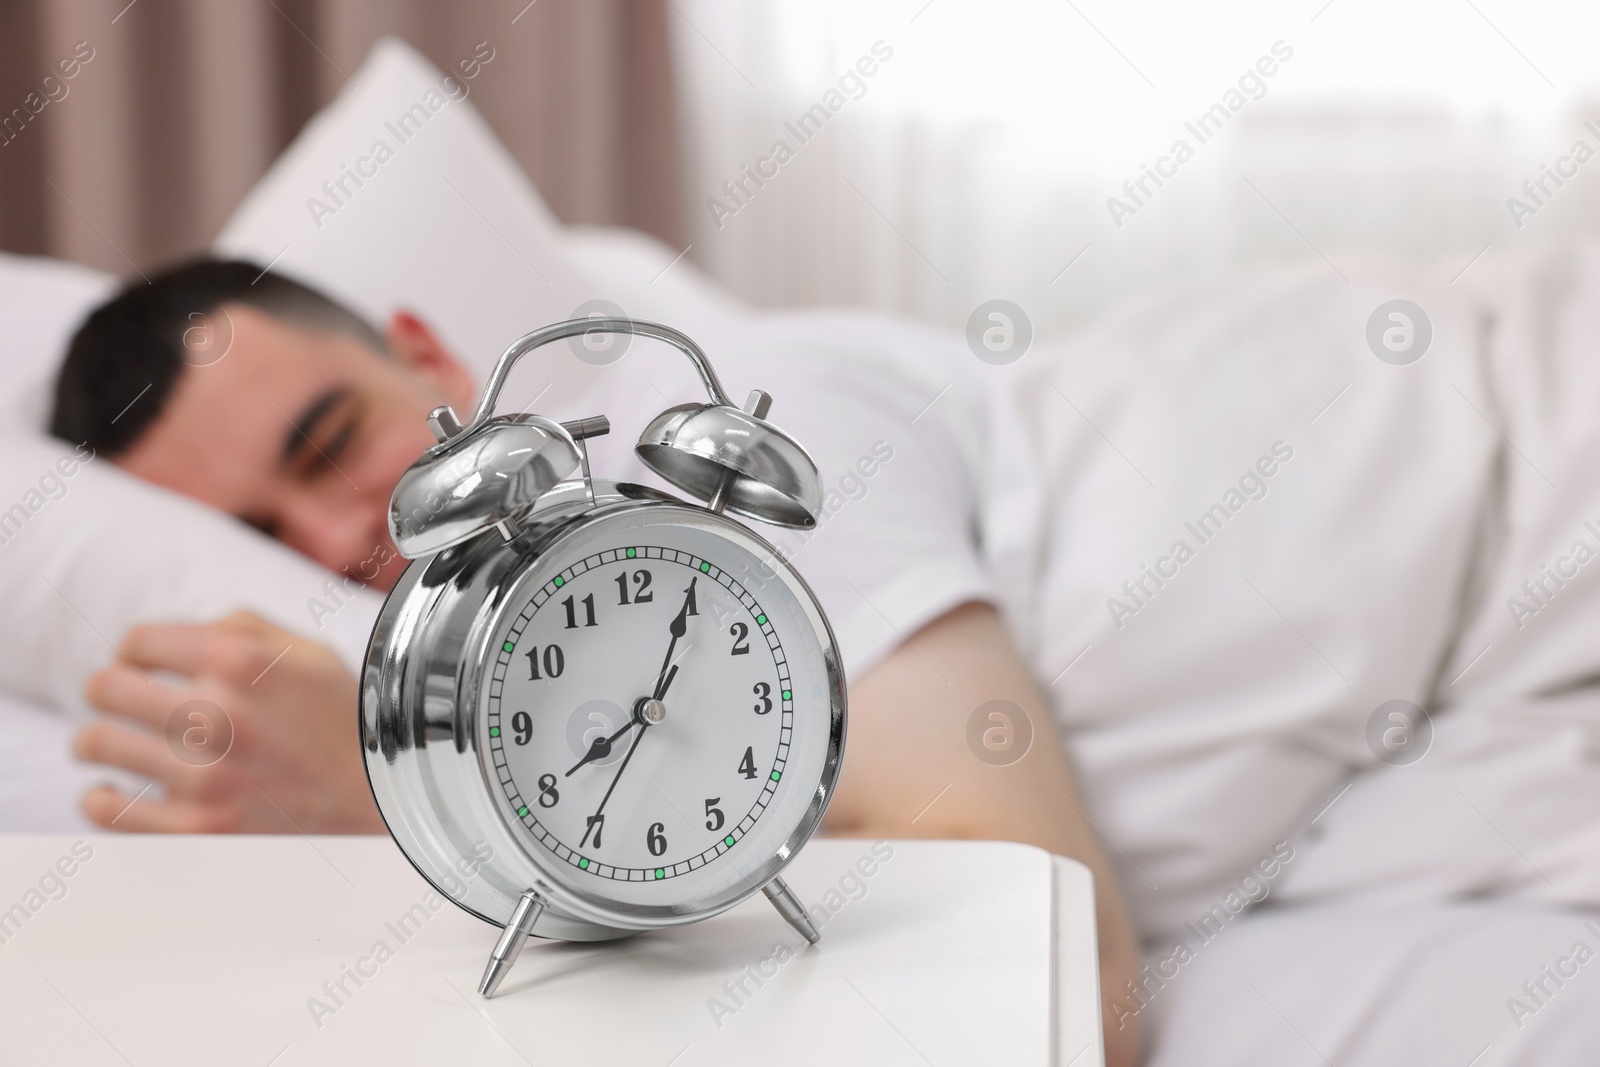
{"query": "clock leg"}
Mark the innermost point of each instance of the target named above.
(789, 907)
(509, 947)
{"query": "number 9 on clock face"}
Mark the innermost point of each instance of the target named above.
(657, 711)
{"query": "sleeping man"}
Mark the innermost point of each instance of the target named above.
(303, 429)
(1210, 565)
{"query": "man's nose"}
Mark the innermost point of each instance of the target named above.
(338, 533)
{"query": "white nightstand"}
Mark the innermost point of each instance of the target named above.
(287, 950)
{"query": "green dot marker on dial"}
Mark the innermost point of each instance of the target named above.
(523, 812)
(660, 873)
(728, 840)
(705, 566)
(776, 775)
(632, 552)
(509, 647)
(761, 620)
(787, 694)
(560, 581)
(583, 864)
(494, 731)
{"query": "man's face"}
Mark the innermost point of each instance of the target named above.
(304, 433)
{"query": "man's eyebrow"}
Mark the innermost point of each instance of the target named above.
(300, 435)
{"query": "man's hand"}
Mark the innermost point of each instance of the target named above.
(914, 769)
(283, 755)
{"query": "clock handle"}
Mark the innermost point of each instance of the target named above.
(789, 907)
(509, 947)
(730, 458)
(577, 328)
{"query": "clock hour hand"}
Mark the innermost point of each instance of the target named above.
(600, 747)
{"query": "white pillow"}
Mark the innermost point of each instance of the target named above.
(91, 551)
(651, 280)
(448, 226)
(40, 782)
(41, 303)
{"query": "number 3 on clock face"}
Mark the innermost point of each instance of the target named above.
(644, 707)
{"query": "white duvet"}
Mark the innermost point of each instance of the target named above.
(1507, 802)
(1222, 712)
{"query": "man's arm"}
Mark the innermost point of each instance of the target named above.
(908, 745)
(291, 757)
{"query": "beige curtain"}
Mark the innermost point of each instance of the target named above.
(139, 156)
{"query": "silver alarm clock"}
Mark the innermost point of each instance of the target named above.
(629, 702)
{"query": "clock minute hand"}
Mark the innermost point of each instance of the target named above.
(666, 683)
(680, 625)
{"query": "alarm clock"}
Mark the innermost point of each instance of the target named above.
(590, 708)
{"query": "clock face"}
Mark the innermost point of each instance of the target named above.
(656, 710)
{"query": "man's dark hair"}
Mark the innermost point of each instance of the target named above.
(127, 356)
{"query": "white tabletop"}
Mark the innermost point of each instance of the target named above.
(209, 950)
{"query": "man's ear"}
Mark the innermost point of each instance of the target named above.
(418, 348)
